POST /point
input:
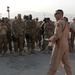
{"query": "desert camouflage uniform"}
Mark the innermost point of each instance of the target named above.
(48, 32)
(9, 37)
(3, 40)
(30, 35)
(18, 28)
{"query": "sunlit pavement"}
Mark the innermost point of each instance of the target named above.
(33, 64)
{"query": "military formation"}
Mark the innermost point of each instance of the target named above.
(28, 32)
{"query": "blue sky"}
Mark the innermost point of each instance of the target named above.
(37, 5)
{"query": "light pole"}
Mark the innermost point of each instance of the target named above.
(8, 11)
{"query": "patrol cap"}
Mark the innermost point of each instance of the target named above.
(59, 11)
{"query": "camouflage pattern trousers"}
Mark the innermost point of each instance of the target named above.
(3, 43)
(72, 40)
(18, 44)
(30, 43)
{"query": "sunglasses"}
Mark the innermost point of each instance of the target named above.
(57, 13)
